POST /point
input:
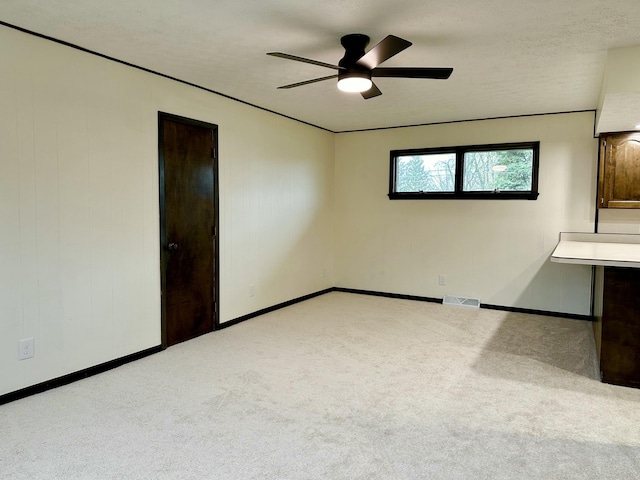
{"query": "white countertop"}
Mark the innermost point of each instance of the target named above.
(611, 250)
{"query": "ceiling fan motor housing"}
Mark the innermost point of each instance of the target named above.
(354, 45)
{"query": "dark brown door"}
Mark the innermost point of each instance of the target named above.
(188, 207)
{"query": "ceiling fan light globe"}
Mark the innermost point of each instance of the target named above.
(354, 84)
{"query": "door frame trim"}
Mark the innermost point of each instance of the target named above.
(163, 116)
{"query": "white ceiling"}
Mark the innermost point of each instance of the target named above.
(510, 57)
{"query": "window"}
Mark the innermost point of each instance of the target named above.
(503, 171)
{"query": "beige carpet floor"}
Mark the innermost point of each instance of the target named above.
(342, 386)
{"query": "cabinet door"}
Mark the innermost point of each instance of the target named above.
(620, 170)
(620, 343)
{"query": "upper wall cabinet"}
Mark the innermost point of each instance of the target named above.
(619, 176)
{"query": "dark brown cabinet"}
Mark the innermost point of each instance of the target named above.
(618, 325)
(619, 176)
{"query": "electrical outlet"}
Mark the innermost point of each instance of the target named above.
(442, 280)
(252, 290)
(26, 349)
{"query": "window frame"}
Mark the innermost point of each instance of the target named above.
(458, 193)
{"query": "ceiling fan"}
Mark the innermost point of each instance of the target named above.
(356, 68)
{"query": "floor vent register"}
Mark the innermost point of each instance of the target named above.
(461, 301)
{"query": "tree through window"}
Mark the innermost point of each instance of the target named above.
(507, 171)
(426, 173)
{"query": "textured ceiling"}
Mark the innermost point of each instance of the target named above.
(510, 57)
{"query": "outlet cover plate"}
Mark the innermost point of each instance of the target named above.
(26, 349)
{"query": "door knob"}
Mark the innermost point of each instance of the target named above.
(172, 246)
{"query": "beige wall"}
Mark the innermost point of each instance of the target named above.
(497, 251)
(79, 218)
(617, 220)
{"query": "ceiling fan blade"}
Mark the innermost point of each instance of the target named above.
(307, 82)
(387, 48)
(413, 72)
(305, 60)
(374, 91)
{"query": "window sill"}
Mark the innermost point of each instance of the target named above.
(464, 196)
